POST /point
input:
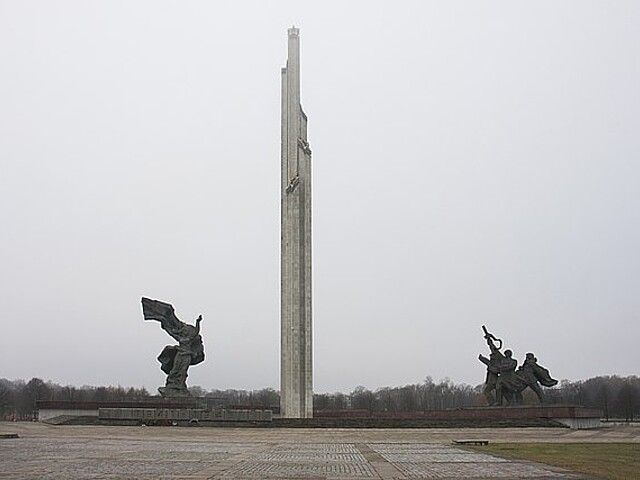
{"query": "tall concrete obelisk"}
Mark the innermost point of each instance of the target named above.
(296, 361)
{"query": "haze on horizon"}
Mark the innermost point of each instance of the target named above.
(474, 163)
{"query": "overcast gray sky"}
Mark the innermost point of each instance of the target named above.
(474, 163)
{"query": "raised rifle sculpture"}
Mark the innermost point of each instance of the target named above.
(505, 381)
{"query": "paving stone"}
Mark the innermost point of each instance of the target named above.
(471, 470)
(324, 447)
(247, 454)
(304, 469)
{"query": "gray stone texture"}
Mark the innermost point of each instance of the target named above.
(182, 414)
(296, 373)
(86, 452)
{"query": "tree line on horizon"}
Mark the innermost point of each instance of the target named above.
(617, 397)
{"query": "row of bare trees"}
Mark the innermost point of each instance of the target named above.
(617, 397)
(427, 395)
(18, 398)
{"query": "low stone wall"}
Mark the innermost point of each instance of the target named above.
(380, 423)
(572, 416)
(155, 415)
(580, 423)
(45, 414)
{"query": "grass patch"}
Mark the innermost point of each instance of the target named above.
(614, 461)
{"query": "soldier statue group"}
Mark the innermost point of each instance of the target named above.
(504, 383)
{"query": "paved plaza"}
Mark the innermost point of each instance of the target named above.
(199, 453)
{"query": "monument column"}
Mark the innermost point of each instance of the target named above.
(296, 361)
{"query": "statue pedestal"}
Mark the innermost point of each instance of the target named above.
(152, 411)
(168, 392)
(571, 416)
(182, 416)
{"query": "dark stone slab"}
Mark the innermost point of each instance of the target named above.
(173, 415)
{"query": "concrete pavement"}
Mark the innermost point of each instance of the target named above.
(198, 453)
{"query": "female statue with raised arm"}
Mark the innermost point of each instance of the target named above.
(175, 359)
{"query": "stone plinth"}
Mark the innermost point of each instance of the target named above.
(180, 415)
(150, 411)
(572, 416)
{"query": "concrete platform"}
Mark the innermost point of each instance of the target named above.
(572, 416)
(94, 452)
